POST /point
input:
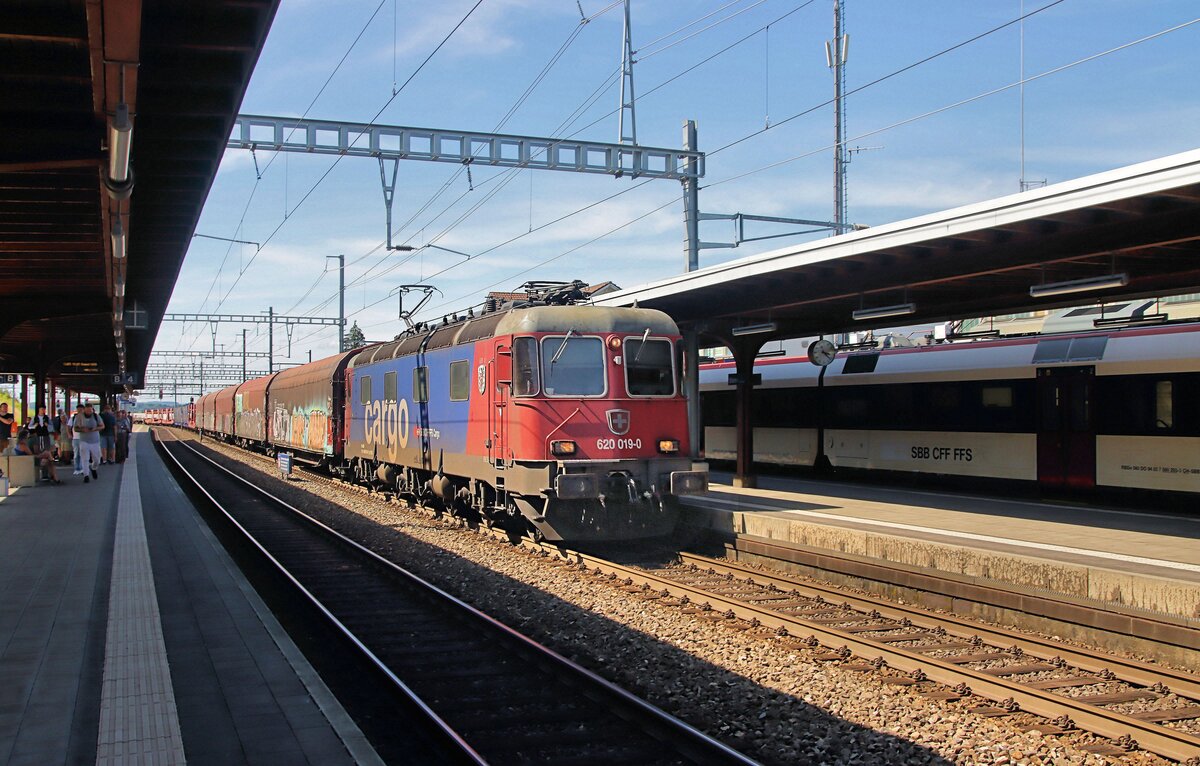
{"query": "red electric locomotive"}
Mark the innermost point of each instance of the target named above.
(564, 420)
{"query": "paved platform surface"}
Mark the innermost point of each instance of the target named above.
(127, 635)
(1141, 559)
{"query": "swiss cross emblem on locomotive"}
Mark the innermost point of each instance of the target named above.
(618, 421)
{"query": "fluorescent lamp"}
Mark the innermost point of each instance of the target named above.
(755, 329)
(900, 309)
(120, 131)
(118, 239)
(1079, 285)
(119, 286)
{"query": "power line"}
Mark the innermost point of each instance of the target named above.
(386, 104)
(822, 149)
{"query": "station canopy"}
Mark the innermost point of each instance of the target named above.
(181, 68)
(1127, 233)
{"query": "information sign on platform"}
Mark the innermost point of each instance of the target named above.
(285, 464)
(8, 378)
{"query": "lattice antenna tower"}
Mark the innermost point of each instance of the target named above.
(627, 98)
(836, 52)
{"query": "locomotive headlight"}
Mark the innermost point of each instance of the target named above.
(668, 446)
(562, 448)
(614, 343)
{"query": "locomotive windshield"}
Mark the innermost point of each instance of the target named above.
(574, 366)
(648, 369)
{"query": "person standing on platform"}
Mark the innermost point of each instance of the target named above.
(88, 424)
(39, 431)
(52, 445)
(124, 426)
(6, 424)
(64, 436)
(108, 438)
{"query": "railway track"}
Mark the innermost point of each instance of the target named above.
(941, 656)
(492, 694)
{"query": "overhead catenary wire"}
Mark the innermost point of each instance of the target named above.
(335, 163)
(506, 176)
(900, 123)
(863, 135)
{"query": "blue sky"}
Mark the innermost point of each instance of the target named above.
(1134, 104)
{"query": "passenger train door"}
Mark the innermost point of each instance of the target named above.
(500, 379)
(1066, 440)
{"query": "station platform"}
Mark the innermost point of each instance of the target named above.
(127, 635)
(1115, 564)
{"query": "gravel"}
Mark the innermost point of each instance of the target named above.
(764, 696)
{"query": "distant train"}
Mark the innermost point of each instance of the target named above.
(1112, 408)
(565, 421)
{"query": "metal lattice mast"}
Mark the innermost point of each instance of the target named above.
(835, 57)
(627, 97)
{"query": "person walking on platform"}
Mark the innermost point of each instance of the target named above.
(39, 431)
(6, 424)
(75, 440)
(108, 439)
(88, 424)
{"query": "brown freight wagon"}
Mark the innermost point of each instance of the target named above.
(306, 406)
(250, 417)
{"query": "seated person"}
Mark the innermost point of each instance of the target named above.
(45, 459)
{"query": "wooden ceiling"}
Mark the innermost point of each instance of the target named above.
(182, 67)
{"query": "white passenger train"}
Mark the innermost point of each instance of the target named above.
(1111, 408)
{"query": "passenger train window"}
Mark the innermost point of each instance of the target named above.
(460, 381)
(525, 367)
(420, 384)
(574, 366)
(389, 387)
(364, 390)
(648, 370)
(997, 396)
(1164, 410)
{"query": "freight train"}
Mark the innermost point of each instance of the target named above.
(563, 420)
(1116, 408)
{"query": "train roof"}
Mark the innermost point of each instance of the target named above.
(1113, 352)
(528, 319)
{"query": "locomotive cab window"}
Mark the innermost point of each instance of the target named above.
(648, 367)
(460, 381)
(573, 366)
(389, 387)
(525, 367)
(420, 384)
(364, 390)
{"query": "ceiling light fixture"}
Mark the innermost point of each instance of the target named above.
(118, 239)
(120, 136)
(900, 309)
(1079, 285)
(755, 329)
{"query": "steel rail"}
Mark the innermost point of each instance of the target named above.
(1140, 673)
(667, 728)
(433, 718)
(1161, 740)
